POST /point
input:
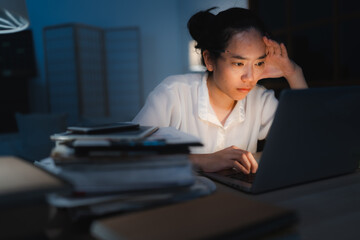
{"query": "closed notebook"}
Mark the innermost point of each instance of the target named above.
(221, 215)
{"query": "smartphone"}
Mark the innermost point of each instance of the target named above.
(103, 128)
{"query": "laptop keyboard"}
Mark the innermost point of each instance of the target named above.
(243, 177)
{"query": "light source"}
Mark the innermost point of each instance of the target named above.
(195, 64)
(13, 16)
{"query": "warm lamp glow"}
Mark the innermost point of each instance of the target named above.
(13, 16)
(195, 58)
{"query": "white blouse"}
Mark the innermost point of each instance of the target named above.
(182, 101)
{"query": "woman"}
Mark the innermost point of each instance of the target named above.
(224, 107)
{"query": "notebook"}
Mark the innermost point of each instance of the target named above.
(314, 135)
(222, 215)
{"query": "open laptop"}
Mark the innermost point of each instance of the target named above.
(314, 135)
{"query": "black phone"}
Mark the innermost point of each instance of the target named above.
(103, 128)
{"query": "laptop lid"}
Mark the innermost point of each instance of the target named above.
(314, 136)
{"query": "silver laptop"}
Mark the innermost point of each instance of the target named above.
(315, 135)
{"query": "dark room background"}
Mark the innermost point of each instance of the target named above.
(321, 36)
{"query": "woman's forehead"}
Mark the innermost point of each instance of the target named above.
(247, 43)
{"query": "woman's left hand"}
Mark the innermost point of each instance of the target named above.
(278, 64)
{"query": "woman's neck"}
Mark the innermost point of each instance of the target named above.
(221, 103)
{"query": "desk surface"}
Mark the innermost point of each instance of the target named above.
(328, 209)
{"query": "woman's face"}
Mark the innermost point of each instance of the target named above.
(238, 69)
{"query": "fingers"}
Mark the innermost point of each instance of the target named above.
(254, 164)
(240, 167)
(283, 50)
(273, 48)
(269, 48)
(244, 161)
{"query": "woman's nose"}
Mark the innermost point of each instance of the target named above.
(247, 75)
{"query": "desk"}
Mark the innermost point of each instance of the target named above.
(328, 209)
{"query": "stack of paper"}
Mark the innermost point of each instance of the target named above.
(152, 168)
(129, 174)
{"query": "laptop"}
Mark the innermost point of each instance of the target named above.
(314, 135)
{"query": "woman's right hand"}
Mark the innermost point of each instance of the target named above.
(231, 157)
(278, 64)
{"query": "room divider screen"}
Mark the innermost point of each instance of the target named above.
(93, 73)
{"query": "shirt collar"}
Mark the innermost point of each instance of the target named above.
(206, 112)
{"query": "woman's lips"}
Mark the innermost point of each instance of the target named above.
(244, 90)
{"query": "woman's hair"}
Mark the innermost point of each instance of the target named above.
(213, 32)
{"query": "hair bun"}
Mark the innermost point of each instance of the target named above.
(199, 26)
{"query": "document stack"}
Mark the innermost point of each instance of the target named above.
(124, 169)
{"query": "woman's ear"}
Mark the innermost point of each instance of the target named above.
(209, 63)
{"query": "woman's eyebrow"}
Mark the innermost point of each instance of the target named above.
(238, 57)
(262, 57)
(244, 58)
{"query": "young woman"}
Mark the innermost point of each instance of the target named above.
(224, 107)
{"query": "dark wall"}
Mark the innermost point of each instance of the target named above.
(17, 66)
(321, 36)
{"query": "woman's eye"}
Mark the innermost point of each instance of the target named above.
(259, 64)
(238, 64)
